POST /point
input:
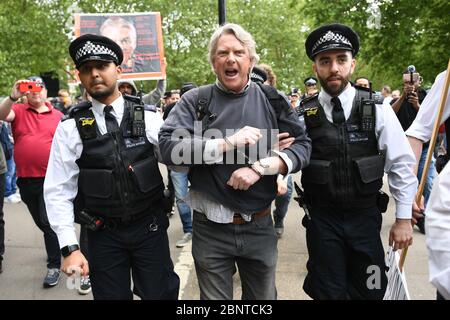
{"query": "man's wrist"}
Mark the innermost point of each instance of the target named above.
(12, 99)
(257, 168)
(67, 250)
(228, 142)
(228, 145)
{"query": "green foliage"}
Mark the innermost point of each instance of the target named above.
(410, 32)
(33, 40)
(36, 35)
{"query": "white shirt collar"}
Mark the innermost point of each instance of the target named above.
(118, 109)
(346, 97)
(117, 105)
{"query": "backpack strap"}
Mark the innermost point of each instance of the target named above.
(276, 101)
(205, 93)
(202, 108)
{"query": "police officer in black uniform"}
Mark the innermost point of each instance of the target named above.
(310, 87)
(103, 170)
(354, 141)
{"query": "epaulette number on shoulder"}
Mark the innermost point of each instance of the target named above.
(310, 105)
(311, 111)
(79, 107)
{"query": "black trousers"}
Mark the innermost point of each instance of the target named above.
(346, 256)
(32, 194)
(2, 222)
(120, 251)
(84, 241)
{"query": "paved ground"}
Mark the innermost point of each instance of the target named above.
(24, 261)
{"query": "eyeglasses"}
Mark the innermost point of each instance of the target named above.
(125, 41)
(310, 83)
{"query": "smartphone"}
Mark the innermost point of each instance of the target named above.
(407, 77)
(30, 86)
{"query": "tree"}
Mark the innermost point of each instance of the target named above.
(407, 32)
(35, 41)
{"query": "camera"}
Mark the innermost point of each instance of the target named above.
(30, 86)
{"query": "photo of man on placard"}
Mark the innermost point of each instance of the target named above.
(138, 36)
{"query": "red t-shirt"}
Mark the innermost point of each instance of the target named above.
(33, 134)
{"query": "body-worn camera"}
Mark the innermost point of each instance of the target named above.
(30, 86)
(137, 121)
(367, 113)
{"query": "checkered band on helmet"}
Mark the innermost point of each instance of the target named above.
(255, 76)
(333, 36)
(90, 48)
(330, 36)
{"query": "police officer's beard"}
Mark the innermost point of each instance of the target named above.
(98, 95)
(334, 91)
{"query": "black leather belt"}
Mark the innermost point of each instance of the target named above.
(126, 220)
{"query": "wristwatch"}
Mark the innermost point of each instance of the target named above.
(67, 250)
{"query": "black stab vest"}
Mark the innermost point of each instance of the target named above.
(119, 174)
(346, 169)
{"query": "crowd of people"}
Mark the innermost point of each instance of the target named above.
(231, 149)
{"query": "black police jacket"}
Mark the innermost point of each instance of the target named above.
(119, 174)
(346, 168)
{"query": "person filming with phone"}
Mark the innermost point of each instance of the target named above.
(33, 126)
(406, 108)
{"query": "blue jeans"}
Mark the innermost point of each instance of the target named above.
(281, 204)
(10, 177)
(180, 186)
(431, 174)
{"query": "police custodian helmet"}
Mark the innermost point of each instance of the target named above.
(331, 37)
(310, 81)
(258, 75)
(94, 47)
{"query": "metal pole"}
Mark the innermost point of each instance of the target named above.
(222, 11)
